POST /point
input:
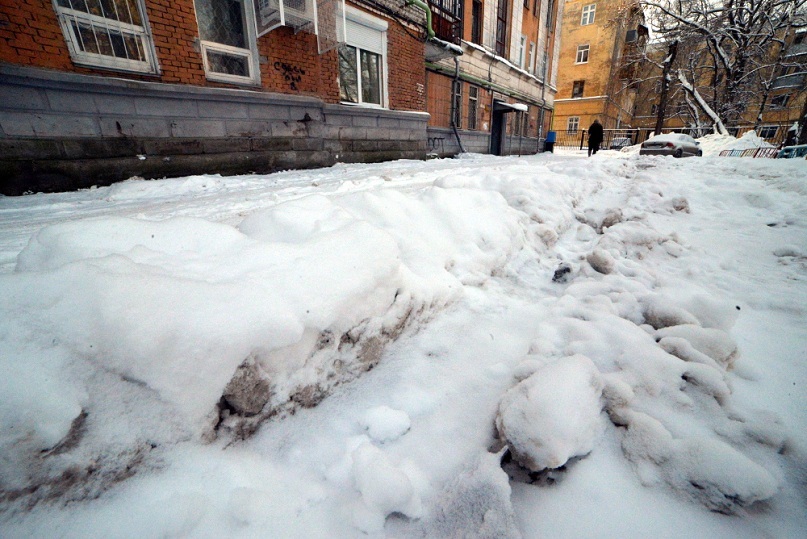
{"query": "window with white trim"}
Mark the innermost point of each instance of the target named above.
(227, 38)
(577, 88)
(768, 131)
(531, 65)
(588, 14)
(573, 124)
(582, 54)
(112, 34)
(363, 60)
(522, 51)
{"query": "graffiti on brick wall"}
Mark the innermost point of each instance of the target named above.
(437, 144)
(291, 74)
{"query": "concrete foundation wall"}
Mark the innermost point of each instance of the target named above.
(443, 142)
(63, 131)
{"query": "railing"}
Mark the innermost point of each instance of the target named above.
(766, 153)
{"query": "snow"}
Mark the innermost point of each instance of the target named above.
(333, 353)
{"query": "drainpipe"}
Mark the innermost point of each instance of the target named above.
(429, 36)
(454, 103)
(425, 7)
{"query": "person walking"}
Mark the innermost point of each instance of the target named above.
(594, 137)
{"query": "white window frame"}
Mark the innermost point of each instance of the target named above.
(582, 54)
(251, 54)
(573, 124)
(764, 129)
(589, 13)
(373, 23)
(90, 59)
(531, 65)
(522, 51)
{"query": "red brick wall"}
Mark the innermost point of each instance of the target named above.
(30, 35)
(407, 73)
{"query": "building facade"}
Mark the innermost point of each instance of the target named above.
(592, 84)
(97, 91)
(497, 96)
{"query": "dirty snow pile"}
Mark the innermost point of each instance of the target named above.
(481, 347)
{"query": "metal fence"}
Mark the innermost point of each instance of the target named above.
(769, 153)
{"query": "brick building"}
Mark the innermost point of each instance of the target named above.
(497, 96)
(97, 91)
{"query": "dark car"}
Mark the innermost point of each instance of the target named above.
(675, 144)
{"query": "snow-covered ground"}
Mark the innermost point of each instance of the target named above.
(541, 346)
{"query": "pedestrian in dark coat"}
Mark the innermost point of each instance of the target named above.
(594, 137)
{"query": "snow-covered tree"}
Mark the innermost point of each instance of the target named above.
(733, 50)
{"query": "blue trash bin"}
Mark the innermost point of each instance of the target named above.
(549, 143)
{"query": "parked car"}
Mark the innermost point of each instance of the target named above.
(789, 152)
(620, 142)
(675, 144)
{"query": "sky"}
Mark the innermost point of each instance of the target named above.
(538, 346)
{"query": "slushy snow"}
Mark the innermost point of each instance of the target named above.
(355, 351)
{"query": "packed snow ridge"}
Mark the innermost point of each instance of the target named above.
(541, 312)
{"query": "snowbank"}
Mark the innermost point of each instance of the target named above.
(218, 326)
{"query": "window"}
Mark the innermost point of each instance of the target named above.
(473, 106)
(653, 109)
(501, 28)
(228, 44)
(531, 65)
(631, 36)
(798, 39)
(588, 14)
(577, 88)
(476, 21)
(779, 101)
(535, 5)
(573, 124)
(768, 131)
(112, 34)
(362, 60)
(582, 54)
(458, 104)
(550, 11)
(526, 4)
(522, 52)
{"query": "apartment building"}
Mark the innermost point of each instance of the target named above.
(97, 91)
(495, 92)
(592, 83)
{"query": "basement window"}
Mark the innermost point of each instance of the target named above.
(111, 34)
(363, 60)
(226, 32)
(768, 131)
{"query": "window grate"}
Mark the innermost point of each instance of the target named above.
(107, 33)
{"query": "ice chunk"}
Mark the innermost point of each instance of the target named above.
(554, 414)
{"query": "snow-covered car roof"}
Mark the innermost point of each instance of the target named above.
(671, 137)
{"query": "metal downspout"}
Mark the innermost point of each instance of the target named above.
(430, 35)
(454, 104)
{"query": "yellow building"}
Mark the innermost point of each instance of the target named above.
(594, 38)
